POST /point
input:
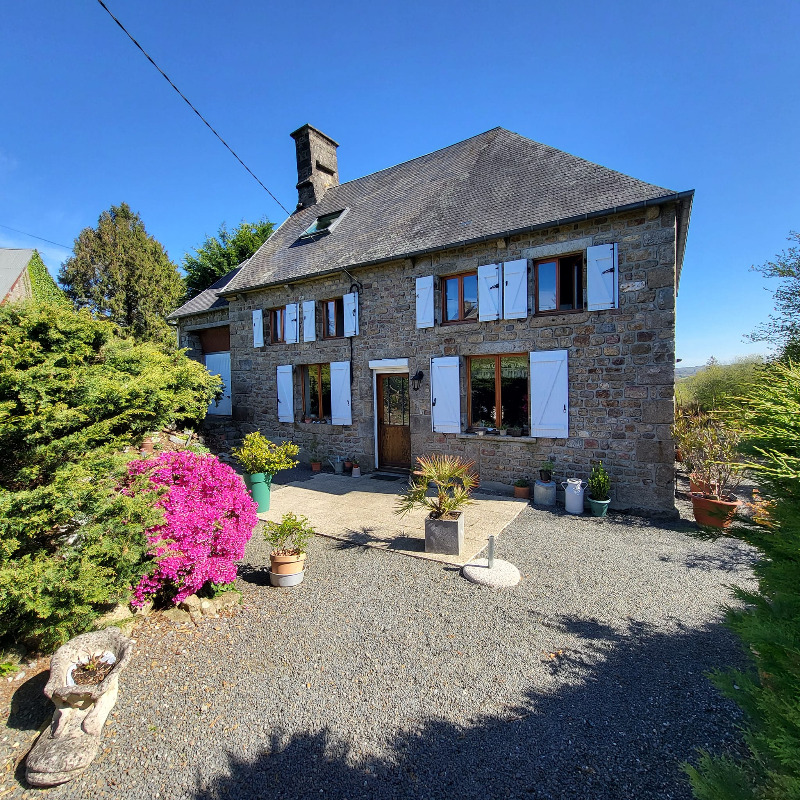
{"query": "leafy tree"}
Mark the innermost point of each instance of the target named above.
(219, 254)
(717, 385)
(120, 272)
(783, 328)
(73, 396)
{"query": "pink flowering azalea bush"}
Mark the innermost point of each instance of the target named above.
(208, 519)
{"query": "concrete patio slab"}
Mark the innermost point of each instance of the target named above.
(361, 511)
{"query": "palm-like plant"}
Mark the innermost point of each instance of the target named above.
(455, 481)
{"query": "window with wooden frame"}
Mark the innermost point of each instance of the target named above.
(277, 320)
(559, 284)
(333, 316)
(316, 391)
(498, 390)
(460, 298)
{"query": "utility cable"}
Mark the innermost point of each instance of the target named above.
(40, 238)
(186, 99)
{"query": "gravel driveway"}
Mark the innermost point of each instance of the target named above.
(384, 676)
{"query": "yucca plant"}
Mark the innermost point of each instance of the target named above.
(455, 481)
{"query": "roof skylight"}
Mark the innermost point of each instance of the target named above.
(325, 223)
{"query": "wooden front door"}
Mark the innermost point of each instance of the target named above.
(394, 424)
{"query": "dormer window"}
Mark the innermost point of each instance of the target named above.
(325, 223)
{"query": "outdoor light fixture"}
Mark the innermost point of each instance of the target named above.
(416, 380)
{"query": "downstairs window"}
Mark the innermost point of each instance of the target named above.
(498, 390)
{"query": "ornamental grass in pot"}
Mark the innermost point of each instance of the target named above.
(454, 481)
(261, 459)
(289, 540)
(599, 490)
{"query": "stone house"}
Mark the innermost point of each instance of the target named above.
(496, 283)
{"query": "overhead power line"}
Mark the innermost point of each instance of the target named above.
(186, 99)
(33, 236)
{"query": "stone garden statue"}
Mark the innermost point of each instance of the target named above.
(84, 676)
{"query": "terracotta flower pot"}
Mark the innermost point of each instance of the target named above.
(522, 492)
(713, 513)
(316, 466)
(697, 484)
(287, 565)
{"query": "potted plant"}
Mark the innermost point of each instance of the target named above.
(717, 471)
(599, 490)
(261, 459)
(313, 454)
(546, 471)
(356, 469)
(502, 430)
(522, 489)
(289, 539)
(515, 430)
(455, 481)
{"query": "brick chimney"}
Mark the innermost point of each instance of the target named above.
(317, 168)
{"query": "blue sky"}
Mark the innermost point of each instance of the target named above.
(700, 95)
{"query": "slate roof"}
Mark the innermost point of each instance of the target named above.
(494, 184)
(207, 300)
(12, 263)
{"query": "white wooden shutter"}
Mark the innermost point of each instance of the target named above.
(601, 276)
(489, 292)
(445, 395)
(258, 328)
(549, 394)
(309, 320)
(515, 289)
(425, 317)
(341, 413)
(350, 307)
(290, 332)
(285, 393)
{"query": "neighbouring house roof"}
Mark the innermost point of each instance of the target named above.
(12, 263)
(207, 300)
(492, 185)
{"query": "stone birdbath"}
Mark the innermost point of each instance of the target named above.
(71, 743)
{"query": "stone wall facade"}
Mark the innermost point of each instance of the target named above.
(620, 361)
(21, 290)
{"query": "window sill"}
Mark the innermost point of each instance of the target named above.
(495, 438)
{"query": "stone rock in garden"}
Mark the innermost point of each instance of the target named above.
(208, 608)
(121, 613)
(177, 615)
(229, 599)
(191, 603)
(71, 743)
(144, 610)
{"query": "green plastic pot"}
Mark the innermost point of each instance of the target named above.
(598, 507)
(260, 484)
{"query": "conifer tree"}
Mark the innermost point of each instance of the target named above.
(119, 272)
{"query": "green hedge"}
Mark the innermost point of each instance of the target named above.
(73, 395)
(769, 622)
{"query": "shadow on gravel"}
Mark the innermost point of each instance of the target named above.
(29, 705)
(632, 709)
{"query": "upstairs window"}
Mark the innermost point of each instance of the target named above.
(325, 223)
(333, 312)
(277, 323)
(317, 391)
(460, 298)
(559, 284)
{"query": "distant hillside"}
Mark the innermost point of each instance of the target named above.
(687, 372)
